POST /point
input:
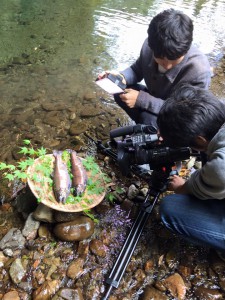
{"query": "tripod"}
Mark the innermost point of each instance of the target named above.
(157, 185)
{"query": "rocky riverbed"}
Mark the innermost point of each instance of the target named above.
(46, 254)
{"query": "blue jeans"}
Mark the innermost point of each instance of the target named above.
(199, 221)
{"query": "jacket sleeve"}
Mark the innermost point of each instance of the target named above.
(134, 74)
(148, 102)
(209, 181)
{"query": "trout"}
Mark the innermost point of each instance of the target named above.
(79, 180)
(61, 178)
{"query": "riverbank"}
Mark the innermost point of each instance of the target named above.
(35, 264)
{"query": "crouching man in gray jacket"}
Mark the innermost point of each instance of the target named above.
(167, 58)
(195, 118)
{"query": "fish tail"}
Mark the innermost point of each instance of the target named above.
(69, 150)
(73, 152)
(57, 153)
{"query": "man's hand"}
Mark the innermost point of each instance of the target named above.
(176, 184)
(129, 97)
(116, 73)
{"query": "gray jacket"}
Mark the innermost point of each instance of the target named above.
(209, 181)
(194, 69)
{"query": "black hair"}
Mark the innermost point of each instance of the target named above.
(170, 34)
(190, 112)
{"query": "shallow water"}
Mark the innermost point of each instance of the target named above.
(73, 40)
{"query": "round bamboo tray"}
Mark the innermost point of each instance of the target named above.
(43, 191)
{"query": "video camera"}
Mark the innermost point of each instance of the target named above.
(138, 145)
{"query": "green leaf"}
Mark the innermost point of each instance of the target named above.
(23, 175)
(41, 151)
(31, 151)
(119, 190)
(26, 142)
(20, 175)
(30, 161)
(110, 197)
(10, 177)
(90, 215)
(3, 166)
(24, 150)
(106, 178)
(11, 167)
(35, 177)
(23, 164)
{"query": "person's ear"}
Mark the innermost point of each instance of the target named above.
(201, 141)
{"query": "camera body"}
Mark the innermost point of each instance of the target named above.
(139, 144)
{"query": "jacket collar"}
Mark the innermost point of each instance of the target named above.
(172, 73)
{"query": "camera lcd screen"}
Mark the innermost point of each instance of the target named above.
(109, 86)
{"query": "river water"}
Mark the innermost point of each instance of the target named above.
(78, 39)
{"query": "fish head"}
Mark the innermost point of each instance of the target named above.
(61, 196)
(79, 190)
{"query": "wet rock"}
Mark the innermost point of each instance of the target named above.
(43, 213)
(61, 216)
(144, 191)
(69, 294)
(93, 292)
(18, 61)
(132, 192)
(52, 269)
(16, 153)
(25, 286)
(46, 290)
(75, 269)
(89, 111)
(102, 208)
(222, 284)
(149, 266)
(51, 106)
(43, 232)
(176, 286)
(17, 271)
(97, 274)
(26, 202)
(208, 294)
(3, 259)
(77, 230)
(36, 244)
(171, 258)
(31, 227)
(152, 293)
(185, 271)
(89, 96)
(13, 240)
(52, 121)
(76, 129)
(12, 295)
(98, 248)
(139, 275)
(83, 249)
